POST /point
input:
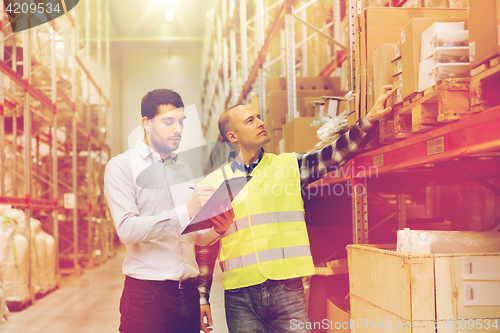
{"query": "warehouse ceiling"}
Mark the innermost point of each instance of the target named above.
(147, 19)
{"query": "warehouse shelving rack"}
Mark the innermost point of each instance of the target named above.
(266, 34)
(217, 96)
(41, 97)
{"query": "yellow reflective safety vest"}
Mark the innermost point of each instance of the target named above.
(268, 238)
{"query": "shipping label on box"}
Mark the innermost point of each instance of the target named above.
(481, 268)
(482, 293)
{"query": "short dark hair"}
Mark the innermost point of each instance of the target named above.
(226, 123)
(157, 97)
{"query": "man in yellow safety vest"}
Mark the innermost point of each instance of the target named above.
(265, 253)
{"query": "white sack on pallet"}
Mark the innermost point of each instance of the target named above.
(4, 310)
(15, 262)
(19, 217)
(38, 261)
(445, 242)
(50, 255)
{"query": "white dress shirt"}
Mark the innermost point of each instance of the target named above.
(150, 217)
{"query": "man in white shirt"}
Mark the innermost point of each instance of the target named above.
(152, 198)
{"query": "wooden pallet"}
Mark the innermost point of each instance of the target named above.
(386, 130)
(447, 101)
(18, 306)
(485, 85)
(45, 293)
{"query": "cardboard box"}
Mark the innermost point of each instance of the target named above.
(411, 37)
(428, 41)
(379, 25)
(397, 81)
(391, 287)
(370, 99)
(299, 136)
(382, 74)
(304, 83)
(484, 34)
(274, 138)
(277, 105)
(396, 67)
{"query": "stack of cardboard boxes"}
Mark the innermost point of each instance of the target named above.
(444, 53)
(297, 134)
(376, 26)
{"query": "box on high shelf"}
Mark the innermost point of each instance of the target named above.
(277, 105)
(484, 38)
(304, 83)
(274, 138)
(446, 3)
(427, 292)
(382, 71)
(378, 25)
(299, 136)
(411, 47)
(484, 32)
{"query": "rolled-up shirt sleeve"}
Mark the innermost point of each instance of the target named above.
(130, 226)
(207, 237)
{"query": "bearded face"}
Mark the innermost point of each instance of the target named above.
(165, 130)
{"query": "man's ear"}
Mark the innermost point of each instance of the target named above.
(231, 137)
(146, 124)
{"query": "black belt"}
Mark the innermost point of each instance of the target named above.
(167, 284)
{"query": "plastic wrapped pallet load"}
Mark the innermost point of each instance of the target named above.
(38, 257)
(4, 310)
(15, 263)
(50, 253)
(4, 244)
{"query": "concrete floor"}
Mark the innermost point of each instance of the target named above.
(89, 304)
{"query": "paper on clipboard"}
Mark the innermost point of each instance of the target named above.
(226, 192)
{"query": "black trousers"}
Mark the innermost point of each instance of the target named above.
(160, 306)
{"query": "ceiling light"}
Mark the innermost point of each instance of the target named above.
(170, 14)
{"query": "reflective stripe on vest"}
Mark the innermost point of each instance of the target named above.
(265, 255)
(263, 218)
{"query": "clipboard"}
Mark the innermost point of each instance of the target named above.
(229, 189)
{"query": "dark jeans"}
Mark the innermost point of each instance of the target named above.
(271, 307)
(159, 307)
